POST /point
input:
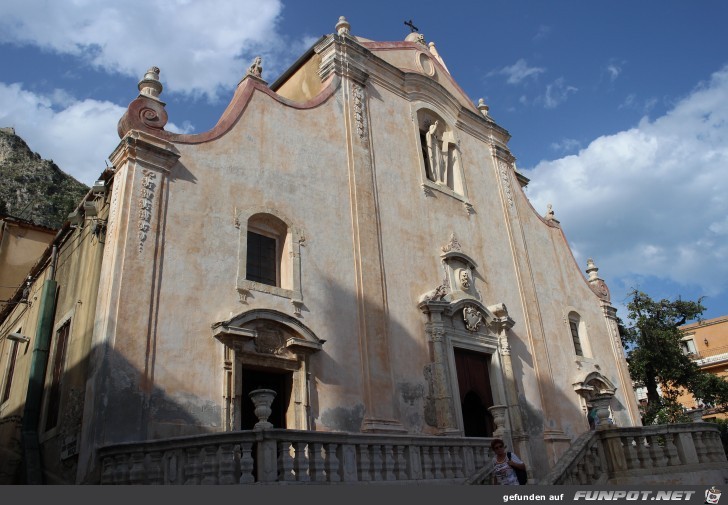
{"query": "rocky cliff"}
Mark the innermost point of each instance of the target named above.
(33, 188)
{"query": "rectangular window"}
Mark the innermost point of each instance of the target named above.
(54, 393)
(688, 346)
(10, 370)
(261, 262)
(575, 337)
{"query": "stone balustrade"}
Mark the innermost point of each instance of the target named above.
(277, 455)
(689, 453)
(667, 454)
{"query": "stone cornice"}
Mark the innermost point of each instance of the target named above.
(705, 323)
(140, 146)
(343, 56)
(235, 109)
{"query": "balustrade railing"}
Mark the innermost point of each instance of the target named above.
(290, 456)
(599, 456)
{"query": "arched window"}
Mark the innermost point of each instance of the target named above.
(575, 325)
(270, 256)
(266, 242)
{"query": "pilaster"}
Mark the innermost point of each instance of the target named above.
(625, 381)
(343, 56)
(121, 369)
(556, 441)
(442, 389)
(502, 324)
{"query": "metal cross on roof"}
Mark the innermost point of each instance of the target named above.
(412, 27)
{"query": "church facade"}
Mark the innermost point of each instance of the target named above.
(354, 237)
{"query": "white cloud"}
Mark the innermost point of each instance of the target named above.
(613, 70)
(556, 93)
(518, 72)
(652, 200)
(566, 145)
(643, 106)
(200, 46)
(77, 135)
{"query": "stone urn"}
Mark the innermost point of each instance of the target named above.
(696, 415)
(262, 399)
(601, 404)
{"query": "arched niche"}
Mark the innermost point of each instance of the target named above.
(596, 392)
(440, 153)
(266, 349)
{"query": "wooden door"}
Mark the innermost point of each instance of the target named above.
(475, 393)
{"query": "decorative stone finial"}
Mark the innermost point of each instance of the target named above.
(452, 245)
(433, 51)
(146, 112)
(150, 86)
(256, 68)
(595, 282)
(483, 108)
(343, 27)
(550, 212)
(592, 270)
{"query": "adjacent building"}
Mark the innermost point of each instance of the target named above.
(706, 342)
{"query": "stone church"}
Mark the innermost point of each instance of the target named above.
(353, 238)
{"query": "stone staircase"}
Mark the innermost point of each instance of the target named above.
(689, 453)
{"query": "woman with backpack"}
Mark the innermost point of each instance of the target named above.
(507, 466)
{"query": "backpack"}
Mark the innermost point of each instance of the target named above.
(521, 475)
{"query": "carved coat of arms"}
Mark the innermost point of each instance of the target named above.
(269, 340)
(472, 317)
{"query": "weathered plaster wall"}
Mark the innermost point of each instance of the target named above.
(317, 167)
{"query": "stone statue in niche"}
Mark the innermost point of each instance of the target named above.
(442, 154)
(433, 151)
(472, 317)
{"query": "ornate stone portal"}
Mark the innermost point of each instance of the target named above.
(267, 340)
(458, 320)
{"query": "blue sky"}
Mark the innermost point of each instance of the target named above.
(618, 110)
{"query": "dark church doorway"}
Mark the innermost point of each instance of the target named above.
(475, 393)
(258, 378)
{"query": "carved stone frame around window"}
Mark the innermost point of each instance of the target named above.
(290, 268)
(573, 315)
(424, 115)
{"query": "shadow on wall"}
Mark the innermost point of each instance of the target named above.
(124, 417)
(139, 410)
(345, 379)
(535, 423)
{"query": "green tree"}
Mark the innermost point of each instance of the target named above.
(655, 356)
